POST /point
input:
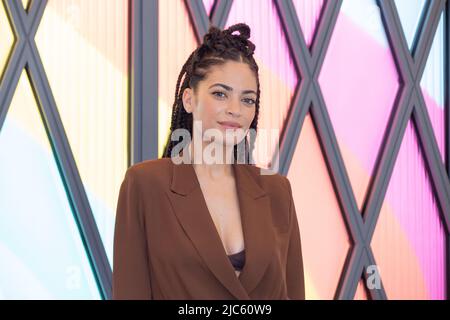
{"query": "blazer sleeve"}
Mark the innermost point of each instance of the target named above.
(131, 276)
(294, 266)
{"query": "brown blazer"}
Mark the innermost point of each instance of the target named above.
(166, 245)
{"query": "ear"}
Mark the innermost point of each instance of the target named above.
(188, 100)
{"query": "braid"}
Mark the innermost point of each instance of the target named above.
(218, 46)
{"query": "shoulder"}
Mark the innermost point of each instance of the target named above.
(278, 187)
(153, 166)
(149, 172)
(270, 180)
(275, 184)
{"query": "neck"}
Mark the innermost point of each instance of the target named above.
(218, 170)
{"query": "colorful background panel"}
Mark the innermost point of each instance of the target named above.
(333, 159)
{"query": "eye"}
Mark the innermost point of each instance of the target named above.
(250, 101)
(219, 92)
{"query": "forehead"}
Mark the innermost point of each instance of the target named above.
(234, 74)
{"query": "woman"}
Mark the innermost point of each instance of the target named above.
(203, 230)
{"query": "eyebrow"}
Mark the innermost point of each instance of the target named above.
(230, 88)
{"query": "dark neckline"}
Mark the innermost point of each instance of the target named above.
(235, 254)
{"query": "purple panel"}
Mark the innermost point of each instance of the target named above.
(409, 240)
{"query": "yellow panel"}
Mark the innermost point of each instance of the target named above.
(325, 241)
(84, 49)
(39, 238)
(23, 112)
(25, 4)
(7, 38)
(175, 31)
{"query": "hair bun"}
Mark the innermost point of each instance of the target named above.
(244, 30)
(212, 36)
(221, 39)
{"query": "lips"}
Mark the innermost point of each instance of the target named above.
(230, 124)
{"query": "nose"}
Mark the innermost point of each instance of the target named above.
(234, 107)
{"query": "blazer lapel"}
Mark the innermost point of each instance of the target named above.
(192, 212)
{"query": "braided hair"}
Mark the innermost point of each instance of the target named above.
(218, 46)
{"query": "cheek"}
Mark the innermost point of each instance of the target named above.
(250, 115)
(208, 114)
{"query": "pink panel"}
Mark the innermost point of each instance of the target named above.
(361, 291)
(437, 117)
(359, 83)
(308, 12)
(433, 86)
(208, 5)
(278, 75)
(175, 31)
(409, 240)
(325, 241)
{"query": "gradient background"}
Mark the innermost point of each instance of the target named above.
(84, 47)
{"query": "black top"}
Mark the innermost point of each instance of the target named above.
(237, 260)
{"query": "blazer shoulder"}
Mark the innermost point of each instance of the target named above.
(150, 172)
(272, 181)
(150, 166)
(279, 189)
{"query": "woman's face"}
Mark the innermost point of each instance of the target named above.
(227, 94)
